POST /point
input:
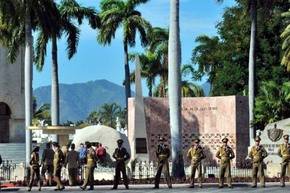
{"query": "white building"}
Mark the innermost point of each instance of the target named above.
(12, 122)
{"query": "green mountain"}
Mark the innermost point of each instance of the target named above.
(78, 100)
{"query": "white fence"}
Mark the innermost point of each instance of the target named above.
(142, 170)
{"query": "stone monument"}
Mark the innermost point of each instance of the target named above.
(138, 138)
(272, 137)
(209, 118)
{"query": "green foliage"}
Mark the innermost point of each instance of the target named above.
(70, 13)
(12, 23)
(107, 115)
(119, 13)
(188, 88)
(224, 58)
(151, 68)
(42, 114)
(273, 104)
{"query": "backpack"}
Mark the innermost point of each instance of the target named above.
(101, 152)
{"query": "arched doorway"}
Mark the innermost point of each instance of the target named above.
(4, 122)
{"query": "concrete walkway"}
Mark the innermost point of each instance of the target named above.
(181, 188)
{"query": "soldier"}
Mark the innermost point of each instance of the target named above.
(58, 161)
(258, 154)
(225, 154)
(72, 162)
(162, 153)
(196, 154)
(47, 163)
(121, 156)
(35, 168)
(284, 153)
(90, 167)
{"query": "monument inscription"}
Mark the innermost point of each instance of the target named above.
(272, 138)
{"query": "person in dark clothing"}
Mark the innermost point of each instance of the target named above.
(162, 153)
(72, 162)
(121, 156)
(47, 164)
(34, 167)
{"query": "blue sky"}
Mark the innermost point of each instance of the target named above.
(93, 61)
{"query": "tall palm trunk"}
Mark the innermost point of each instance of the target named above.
(252, 61)
(174, 90)
(54, 87)
(28, 81)
(127, 76)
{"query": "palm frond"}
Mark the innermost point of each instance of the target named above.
(40, 50)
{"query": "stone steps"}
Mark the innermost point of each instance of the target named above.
(14, 152)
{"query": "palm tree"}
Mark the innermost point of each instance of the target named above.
(26, 16)
(69, 10)
(150, 69)
(93, 118)
(108, 114)
(208, 56)
(158, 43)
(120, 13)
(42, 113)
(174, 90)
(188, 88)
(286, 42)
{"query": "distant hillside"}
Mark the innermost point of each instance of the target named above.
(78, 100)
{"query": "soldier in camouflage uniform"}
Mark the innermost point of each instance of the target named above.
(35, 168)
(258, 154)
(162, 153)
(121, 155)
(58, 161)
(196, 155)
(284, 153)
(89, 167)
(225, 154)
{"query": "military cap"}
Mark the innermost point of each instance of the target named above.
(286, 137)
(225, 140)
(161, 139)
(257, 138)
(120, 141)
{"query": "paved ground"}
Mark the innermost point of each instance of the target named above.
(181, 188)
